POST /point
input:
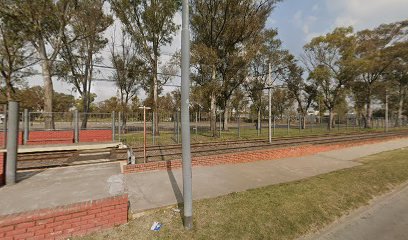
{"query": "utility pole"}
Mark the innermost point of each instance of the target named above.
(185, 118)
(270, 103)
(12, 143)
(144, 133)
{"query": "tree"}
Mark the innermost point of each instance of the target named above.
(282, 102)
(267, 67)
(374, 58)
(109, 105)
(330, 60)
(42, 23)
(255, 88)
(151, 26)
(32, 98)
(225, 38)
(397, 77)
(129, 72)
(15, 56)
(304, 93)
(63, 102)
(79, 102)
(80, 46)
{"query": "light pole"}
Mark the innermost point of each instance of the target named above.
(144, 131)
(185, 118)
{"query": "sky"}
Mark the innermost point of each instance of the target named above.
(297, 21)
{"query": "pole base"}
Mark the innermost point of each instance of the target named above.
(188, 222)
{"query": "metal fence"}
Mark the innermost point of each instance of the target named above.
(74, 127)
(243, 126)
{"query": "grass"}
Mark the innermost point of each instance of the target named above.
(168, 137)
(284, 211)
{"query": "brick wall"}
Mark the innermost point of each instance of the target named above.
(62, 222)
(244, 157)
(62, 137)
(97, 135)
(20, 139)
(50, 137)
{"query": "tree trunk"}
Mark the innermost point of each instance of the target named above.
(400, 107)
(226, 114)
(303, 123)
(213, 115)
(85, 109)
(48, 94)
(369, 113)
(258, 125)
(9, 95)
(155, 100)
(330, 123)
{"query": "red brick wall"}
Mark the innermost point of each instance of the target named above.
(243, 157)
(20, 138)
(62, 222)
(98, 135)
(50, 137)
(2, 168)
(62, 137)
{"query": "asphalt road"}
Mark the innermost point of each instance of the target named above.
(385, 218)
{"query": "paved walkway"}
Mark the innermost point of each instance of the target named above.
(56, 187)
(386, 218)
(162, 188)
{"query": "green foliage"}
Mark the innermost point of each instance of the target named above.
(32, 98)
(330, 60)
(80, 46)
(15, 54)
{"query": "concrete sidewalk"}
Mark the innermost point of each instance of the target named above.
(162, 188)
(56, 187)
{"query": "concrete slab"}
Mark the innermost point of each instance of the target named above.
(56, 187)
(162, 188)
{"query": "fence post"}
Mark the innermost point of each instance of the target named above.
(178, 127)
(274, 125)
(12, 143)
(288, 125)
(26, 126)
(113, 126)
(196, 121)
(76, 126)
(300, 126)
(239, 125)
(220, 123)
(153, 128)
(119, 124)
(5, 126)
(312, 123)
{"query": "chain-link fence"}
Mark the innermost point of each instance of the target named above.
(40, 128)
(242, 126)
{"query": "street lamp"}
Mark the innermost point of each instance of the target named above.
(185, 118)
